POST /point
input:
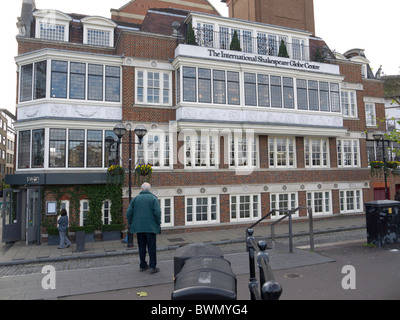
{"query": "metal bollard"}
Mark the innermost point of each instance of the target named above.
(130, 240)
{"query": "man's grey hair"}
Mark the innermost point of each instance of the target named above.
(146, 186)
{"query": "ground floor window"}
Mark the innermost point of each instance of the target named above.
(106, 212)
(283, 201)
(320, 202)
(84, 210)
(202, 209)
(350, 201)
(167, 212)
(245, 207)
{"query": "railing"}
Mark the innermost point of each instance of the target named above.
(263, 44)
(269, 288)
(288, 215)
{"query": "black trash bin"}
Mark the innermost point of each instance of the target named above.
(383, 222)
(194, 250)
(205, 278)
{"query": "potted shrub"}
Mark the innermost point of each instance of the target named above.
(235, 43)
(111, 232)
(53, 236)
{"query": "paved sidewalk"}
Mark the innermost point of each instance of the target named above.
(19, 253)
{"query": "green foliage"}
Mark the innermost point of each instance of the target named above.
(283, 50)
(191, 38)
(235, 43)
(111, 227)
(95, 194)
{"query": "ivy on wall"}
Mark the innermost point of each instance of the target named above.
(95, 194)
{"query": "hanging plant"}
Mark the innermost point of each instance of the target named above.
(115, 174)
(393, 164)
(143, 173)
(376, 167)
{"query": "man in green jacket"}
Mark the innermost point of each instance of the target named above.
(144, 219)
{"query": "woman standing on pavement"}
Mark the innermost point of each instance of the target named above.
(62, 229)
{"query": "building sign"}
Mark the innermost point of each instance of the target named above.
(270, 61)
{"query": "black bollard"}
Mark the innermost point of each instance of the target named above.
(130, 240)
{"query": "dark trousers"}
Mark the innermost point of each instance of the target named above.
(147, 241)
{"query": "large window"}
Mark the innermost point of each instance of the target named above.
(72, 148)
(73, 80)
(203, 85)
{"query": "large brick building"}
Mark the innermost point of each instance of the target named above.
(231, 134)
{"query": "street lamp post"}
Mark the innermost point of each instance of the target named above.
(379, 137)
(140, 132)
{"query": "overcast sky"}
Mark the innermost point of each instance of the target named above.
(343, 24)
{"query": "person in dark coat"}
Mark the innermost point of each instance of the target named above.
(144, 219)
(62, 229)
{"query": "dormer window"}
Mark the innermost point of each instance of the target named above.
(52, 25)
(98, 31)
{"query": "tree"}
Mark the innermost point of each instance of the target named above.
(191, 38)
(235, 43)
(283, 50)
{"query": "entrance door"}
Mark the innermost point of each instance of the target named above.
(11, 216)
(32, 215)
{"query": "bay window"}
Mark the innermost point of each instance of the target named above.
(70, 80)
